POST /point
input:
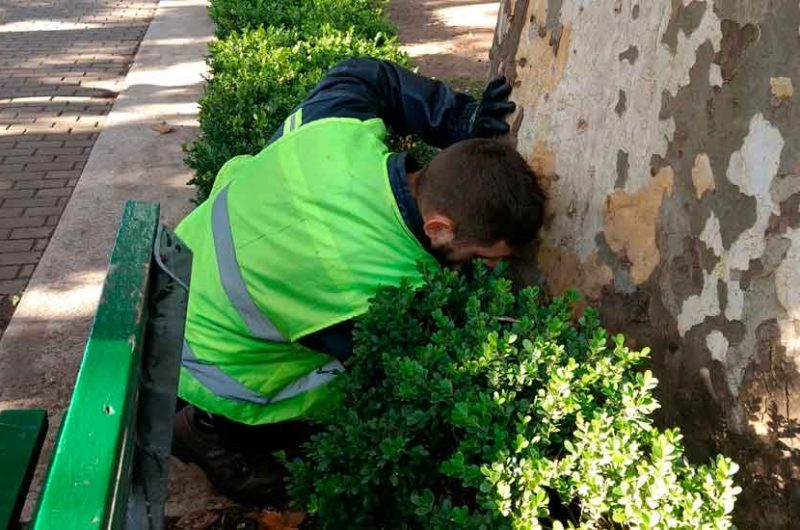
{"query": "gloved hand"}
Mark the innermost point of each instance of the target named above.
(489, 117)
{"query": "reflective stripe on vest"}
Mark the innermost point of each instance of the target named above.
(293, 121)
(322, 375)
(231, 276)
(225, 386)
(217, 381)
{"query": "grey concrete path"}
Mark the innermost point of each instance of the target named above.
(43, 345)
(62, 63)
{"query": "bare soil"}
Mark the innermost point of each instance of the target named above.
(447, 39)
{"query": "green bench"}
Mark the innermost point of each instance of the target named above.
(108, 468)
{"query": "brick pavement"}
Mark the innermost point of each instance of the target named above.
(61, 63)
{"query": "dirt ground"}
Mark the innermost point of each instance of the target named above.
(447, 39)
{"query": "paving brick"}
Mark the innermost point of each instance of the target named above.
(32, 128)
(49, 166)
(57, 151)
(12, 286)
(16, 151)
(19, 258)
(33, 114)
(62, 121)
(26, 271)
(43, 202)
(16, 194)
(52, 192)
(45, 144)
(22, 175)
(9, 272)
(10, 212)
(46, 211)
(41, 244)
(82, 136)
(22, 222)
(33, 159)
(16, 120)
(17, 245)
(35, 184)
(28, 233)
(71, 174)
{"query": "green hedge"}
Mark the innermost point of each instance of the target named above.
(307, 16)
(271, 53)
(259, 76)
(468, 407)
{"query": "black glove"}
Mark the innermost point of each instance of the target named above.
(488, 119)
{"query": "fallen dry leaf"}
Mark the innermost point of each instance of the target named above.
(162, 127)
(294, 518)
(199, 520)
(271, 520)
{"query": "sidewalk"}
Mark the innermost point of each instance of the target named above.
(61, 65)
(42, 347)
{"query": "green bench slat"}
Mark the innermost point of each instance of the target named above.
(21, 436)
(86, 486)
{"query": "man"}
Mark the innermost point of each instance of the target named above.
(294, 241)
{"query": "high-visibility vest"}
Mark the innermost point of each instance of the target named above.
(291, 241)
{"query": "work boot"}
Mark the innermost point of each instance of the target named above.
(197, 441)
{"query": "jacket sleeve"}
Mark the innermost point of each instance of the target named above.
(336, 340)
(408, 103)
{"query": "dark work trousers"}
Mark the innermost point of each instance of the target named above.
(256, 440)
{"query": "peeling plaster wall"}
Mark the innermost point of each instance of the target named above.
(667, 134)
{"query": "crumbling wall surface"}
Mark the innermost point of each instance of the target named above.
(667, 133)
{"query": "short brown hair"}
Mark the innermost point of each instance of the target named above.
(487, 189)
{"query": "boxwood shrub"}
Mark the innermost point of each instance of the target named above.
(258, 77)
(269, 55)
(466, 406)
(363, 17)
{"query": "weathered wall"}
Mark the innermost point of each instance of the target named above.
(668, 136)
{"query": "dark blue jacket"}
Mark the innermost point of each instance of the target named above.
(408, 104)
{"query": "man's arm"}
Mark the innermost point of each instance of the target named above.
(408, 103)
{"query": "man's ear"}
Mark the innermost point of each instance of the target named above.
(440, 229)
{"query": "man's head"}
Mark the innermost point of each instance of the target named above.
(479, 199)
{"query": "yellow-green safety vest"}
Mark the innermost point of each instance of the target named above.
(291, 241)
